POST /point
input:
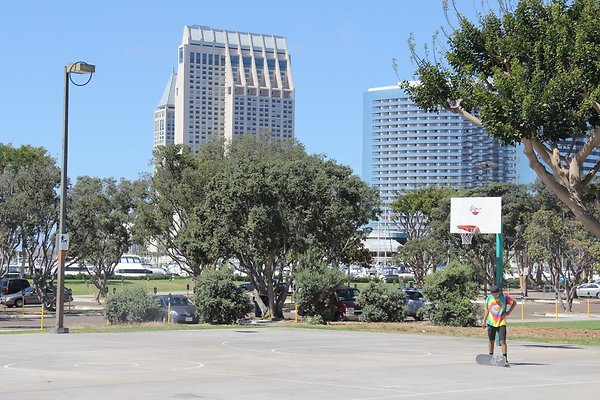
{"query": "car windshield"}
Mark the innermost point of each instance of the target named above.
(177, 301)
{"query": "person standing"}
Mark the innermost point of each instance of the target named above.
(494, 318)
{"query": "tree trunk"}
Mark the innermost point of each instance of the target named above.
(568, 195)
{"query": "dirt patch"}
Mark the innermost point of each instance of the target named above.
(425, 328)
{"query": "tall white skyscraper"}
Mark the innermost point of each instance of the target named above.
(164, 115)
(231, 83)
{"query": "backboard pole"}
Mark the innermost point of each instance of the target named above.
(499, 253)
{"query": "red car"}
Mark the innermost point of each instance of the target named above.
(344, 305)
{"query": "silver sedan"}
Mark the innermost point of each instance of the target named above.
(588, 290)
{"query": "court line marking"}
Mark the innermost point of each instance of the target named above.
(16, 365)
(346, 386)
(499, 388)
(277, 350)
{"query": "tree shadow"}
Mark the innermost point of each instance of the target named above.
(553, 346)
(526, 363)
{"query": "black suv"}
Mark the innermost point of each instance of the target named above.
(12, 285)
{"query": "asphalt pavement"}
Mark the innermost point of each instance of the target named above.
(260, 363)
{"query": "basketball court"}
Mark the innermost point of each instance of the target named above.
(262, 363)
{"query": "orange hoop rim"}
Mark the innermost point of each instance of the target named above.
(468, 228)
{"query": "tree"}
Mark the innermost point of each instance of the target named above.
(168, 214)
(16, 165)
(99, 223)
(413, 212)
(29, 180)
(568, 250)
(528, 75)
(271, 203)
(412, 209)
(423, 255)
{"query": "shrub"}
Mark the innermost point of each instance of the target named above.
(451, 291)
(131, 306)
(381, 304)
(316, 320)
(316, 283)
(218, 298)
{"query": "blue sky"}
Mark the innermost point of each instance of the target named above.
(339, 49)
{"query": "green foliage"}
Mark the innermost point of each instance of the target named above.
(412, 209)
(422, 254)
(528, 73)
(315, 283)
(29, 182)
(316, 320)
(218, 298)
(99, 219)
(451, 291)
(131, 306)
(381, 304)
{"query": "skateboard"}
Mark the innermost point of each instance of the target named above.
(486, 359)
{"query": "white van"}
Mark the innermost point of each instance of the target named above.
(130, 266)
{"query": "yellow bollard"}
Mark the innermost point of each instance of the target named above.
(169, 313)
(42, 320)
(556, 309)
(522, 309)
(588, 306)
(296, 317)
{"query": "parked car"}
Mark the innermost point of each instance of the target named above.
(183, 311)
(12, 285)
(29, 296)
(588, 290)
(414, 301)
(344, 304)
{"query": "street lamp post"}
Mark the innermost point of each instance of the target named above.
(79, 67)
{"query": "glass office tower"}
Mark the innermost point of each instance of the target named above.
(405, 148)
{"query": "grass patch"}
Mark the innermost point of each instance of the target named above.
(591, 324)
(82, 288)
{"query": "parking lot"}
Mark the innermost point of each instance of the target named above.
(259, 363)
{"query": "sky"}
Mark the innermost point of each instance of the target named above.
(339, 49)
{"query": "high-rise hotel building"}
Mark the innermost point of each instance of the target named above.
(164, 115)
(231, 83)
(405, 147)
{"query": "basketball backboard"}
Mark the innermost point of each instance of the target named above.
(483, 212)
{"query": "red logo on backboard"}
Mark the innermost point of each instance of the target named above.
(475, 210)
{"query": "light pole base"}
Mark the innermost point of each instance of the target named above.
(58, 330)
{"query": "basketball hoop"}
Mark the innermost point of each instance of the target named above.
(467, 232)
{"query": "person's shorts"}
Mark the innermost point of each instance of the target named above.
(501, 332)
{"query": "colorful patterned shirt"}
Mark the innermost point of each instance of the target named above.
(497, 309)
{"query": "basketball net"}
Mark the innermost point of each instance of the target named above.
(467, 232)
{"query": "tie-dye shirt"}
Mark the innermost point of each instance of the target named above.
(497, 307)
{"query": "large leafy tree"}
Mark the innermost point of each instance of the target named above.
(528, 74)
(16, 165)
(99, 223)
(29, 180)
(272, 202)
(412, 210)
(169, 214)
